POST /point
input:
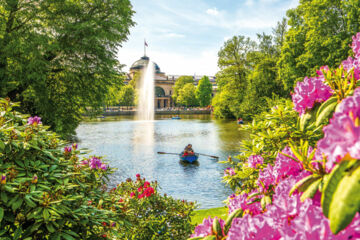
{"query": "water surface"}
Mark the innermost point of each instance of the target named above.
(131, 146)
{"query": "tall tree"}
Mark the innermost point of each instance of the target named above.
(179, 84)
(232, 77)
(59, 57)
(204, 91)
(319, 34)
(127, 96)
(186, 96)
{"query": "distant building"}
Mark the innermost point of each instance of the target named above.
(163, 83)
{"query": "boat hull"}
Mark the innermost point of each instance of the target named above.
(189, 158)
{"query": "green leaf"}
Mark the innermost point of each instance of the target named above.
(304, 120)
(237, 213)
(311, 190)
(46, 214)
(303, 183)
(196, 238)
(325, 104)
(212, 237)
(325, 113)
(331, 184)
(4, 197)
(1, 214)
(346, 201)
(17, 233)
(2, 145)
(67, 236)
(17, 204)
(50, 227)
(217, 228)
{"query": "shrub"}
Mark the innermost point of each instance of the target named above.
(50, 193)
(299, 175)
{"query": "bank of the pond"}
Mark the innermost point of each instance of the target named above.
(199, 215)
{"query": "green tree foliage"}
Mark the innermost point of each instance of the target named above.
(58, 57)
(231, 79)
(203, 92)
(127, 96)
(179, 84)
(319, 34)
(187, 96)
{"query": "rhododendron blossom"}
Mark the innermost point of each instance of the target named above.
(255, 160)
(266, 178)
(342, 135)
(205, 228)
(34, 120)
(285, 166)
(308, 92)
(241, 201)
(356, 45)
(229, 172)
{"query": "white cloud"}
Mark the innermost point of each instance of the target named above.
(249, 3)
(212, 11)
(174, 35)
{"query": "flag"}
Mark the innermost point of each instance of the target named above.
(145, 43)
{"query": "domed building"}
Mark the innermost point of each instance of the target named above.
(163, 83)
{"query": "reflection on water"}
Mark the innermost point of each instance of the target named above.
(131, 147)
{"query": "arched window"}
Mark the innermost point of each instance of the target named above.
(159, 92)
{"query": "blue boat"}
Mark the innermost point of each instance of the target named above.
(240, 122)
(176, 118)
(189, 158)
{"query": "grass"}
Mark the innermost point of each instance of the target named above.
(199, 215)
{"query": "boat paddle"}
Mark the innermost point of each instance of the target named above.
(196, 153)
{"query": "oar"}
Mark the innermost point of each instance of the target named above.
(208, 155)
(168, 153)
(197, 153)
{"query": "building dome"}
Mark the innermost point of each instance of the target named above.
(142, 62)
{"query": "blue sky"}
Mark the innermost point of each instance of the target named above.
(184, 36)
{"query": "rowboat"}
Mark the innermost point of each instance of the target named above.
(176, 118)
(240, 122)
(189, 158)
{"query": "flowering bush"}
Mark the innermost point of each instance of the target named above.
(308, 184)
(47, 191)
(150, 215)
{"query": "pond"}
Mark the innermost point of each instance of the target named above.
(131, 146)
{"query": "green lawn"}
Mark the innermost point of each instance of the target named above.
(199, 215)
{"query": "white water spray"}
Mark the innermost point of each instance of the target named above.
(145, 109)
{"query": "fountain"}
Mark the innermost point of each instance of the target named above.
(145, 108)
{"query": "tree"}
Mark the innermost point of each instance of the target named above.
(319, 34)
(232, 77)
(127, 96)
(179, 84)
(186, 96)
(59, 57)
(204, 91)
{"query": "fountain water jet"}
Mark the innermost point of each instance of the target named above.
(145, 108)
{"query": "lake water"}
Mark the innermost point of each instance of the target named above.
(131, 146)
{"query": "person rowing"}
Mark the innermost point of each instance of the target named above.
(188, 150)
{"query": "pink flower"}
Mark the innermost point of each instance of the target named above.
(229, 172)
(342, 135)
(350, 64)
(205, 228)
(138, 175)
(241, 201)
(149, 191)
(103, 166)
(266, 178)
(285, 166)
(356, 45)
(34, 120)
(95, 163)
(85, 162)
(255, 160)
(308, 92)
(146, 184)
(67, 149)
(132, 194)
